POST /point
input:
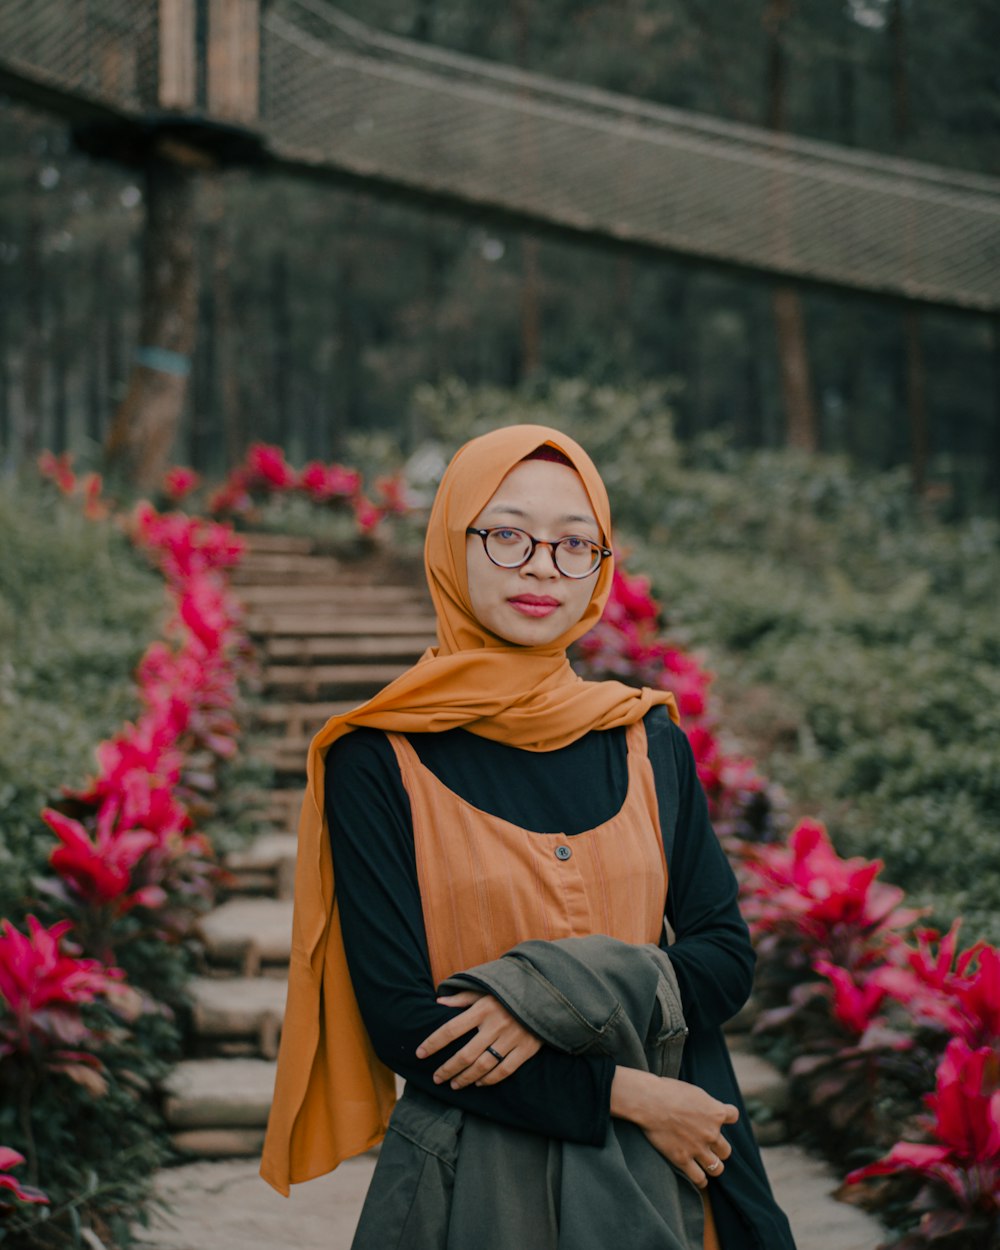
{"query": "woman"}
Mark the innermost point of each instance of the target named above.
(487, 797)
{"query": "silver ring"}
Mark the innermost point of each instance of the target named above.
(496, 1054)
(712, 1167)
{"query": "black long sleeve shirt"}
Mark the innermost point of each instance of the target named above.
(568, 790)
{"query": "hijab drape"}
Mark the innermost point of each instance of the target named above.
(332, 1095)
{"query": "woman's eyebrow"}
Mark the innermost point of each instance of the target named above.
(519, 512)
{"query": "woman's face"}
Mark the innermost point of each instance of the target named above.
(534, 604)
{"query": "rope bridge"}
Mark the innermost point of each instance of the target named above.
(323, 94)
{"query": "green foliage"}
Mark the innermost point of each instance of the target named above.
(95, 1154)
(871, 628)
(854, 634)
(629, 434)
(77, 608)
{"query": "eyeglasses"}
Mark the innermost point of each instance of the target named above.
(573, 556)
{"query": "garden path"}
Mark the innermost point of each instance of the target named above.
(328, 633)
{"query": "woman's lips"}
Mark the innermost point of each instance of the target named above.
(533, 605)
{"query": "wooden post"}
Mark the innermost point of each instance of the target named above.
(801, 419)
(141, 436)
(177, 77)
(233, 91)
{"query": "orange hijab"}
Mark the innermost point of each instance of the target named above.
(332, 1095)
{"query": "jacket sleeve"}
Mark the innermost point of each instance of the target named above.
(563, 1096)
(591, 994)
(712, 953)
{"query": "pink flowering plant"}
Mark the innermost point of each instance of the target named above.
(950, 1177)
(179, 482)
(88, 488)
(12, 1190)
(42, 988)
(824, 929)
(265, 473)
(130, 863)
(627, 644)
(805, 903)
(948, 992)
(130, 868)
(50, 1027)
(78, 1050)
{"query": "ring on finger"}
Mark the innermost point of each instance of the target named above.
(712, 1167)
(496, 1054)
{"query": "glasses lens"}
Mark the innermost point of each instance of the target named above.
(576, 557)
(508, 547)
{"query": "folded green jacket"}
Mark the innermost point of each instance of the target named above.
(447, 1180)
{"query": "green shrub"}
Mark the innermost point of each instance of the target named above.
(77, 608)
(853, 633)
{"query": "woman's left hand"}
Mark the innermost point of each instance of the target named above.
(494, 1027)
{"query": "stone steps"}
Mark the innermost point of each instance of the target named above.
(345, 649)
(291, 544)
(282, 568)
(218, 1108)
(282, 806)
(307, 624)
(267, 865)
(287, 758)
(238, 1014)
(248, 934)
(354, 598)
(299, 719)
(329, 680)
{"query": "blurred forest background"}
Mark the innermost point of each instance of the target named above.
(321, 310)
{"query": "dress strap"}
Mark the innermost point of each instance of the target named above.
(635, 740)
(406, 756)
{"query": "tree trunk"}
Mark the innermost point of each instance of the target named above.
(801, 423)
(146, 422)
(97, 348)
(677, 320)
(281, 347)
(531, 319)
(896, 30)
(916, 391)
(29, 434)
(227, 379)
(914, 372)
(993, 476)
(59, 355)
(348, 377)
(5, 422)
(423, 22)
(846, 85)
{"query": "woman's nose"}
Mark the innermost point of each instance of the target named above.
(542, 562)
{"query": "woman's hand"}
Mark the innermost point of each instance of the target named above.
(495, 1027)
(681, 1120)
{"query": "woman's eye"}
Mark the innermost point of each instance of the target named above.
(576, 544)
(507, 536)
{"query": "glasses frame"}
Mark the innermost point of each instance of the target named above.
(552, 543)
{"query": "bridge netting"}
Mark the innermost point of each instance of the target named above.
(335, 95)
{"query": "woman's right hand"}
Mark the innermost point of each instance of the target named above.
(681, 1120)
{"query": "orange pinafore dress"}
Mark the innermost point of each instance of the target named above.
(486, 884)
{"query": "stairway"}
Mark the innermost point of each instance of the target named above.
(328, 635)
